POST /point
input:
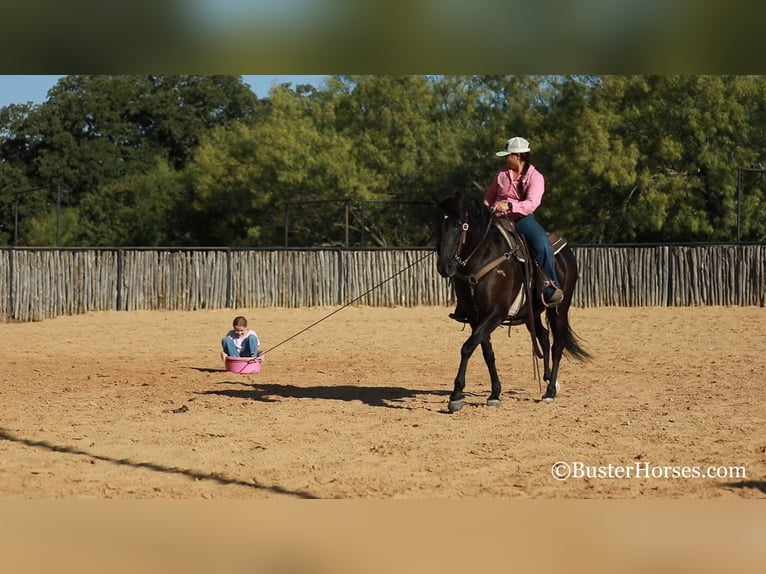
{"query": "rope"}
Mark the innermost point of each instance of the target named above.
(536, 371)
(346, 305)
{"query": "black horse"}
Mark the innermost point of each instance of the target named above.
(489, 278)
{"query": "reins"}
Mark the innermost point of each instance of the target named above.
(473, 278)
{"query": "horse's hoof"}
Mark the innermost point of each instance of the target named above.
(493, 402)
(455, 406)
(549, 396)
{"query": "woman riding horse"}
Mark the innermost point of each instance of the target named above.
(489, 281)
(516, 192)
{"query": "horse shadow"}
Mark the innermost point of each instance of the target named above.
(387, 397)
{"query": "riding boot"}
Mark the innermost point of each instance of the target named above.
(552, 294)
(458, 315)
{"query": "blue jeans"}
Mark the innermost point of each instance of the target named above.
(538, 242)
(249, 347)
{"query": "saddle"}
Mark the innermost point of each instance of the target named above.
(518, 246)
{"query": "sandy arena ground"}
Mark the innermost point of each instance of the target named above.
(137, 406)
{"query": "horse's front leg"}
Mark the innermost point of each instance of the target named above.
(479, 335)
(489, 359)
(457, 398)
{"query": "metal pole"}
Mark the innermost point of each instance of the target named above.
(361, 227)
(347, 223)
(739, 205)
(287, 207)
(58, 214)
(16, 221)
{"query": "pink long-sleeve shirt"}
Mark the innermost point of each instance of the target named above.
(505, 188)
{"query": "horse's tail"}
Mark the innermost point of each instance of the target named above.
(573, 346)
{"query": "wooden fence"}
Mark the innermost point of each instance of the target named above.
(42, 283)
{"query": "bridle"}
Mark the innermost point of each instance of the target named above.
(473, 278)
(463, 237)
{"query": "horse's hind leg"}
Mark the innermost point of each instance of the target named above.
(543, 339)
(545, 346)
(558, 324)
(489, 359)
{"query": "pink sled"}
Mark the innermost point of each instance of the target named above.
(244, 365)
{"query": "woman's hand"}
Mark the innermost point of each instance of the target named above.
(501, 206)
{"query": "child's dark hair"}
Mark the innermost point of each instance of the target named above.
(239, 321)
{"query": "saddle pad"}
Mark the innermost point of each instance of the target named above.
(557, 241)
(518, 303)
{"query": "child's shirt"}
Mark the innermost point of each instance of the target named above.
(238, 341)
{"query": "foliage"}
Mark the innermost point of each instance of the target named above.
(200, 161)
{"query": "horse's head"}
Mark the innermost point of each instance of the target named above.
(448, 235)
(460, 216)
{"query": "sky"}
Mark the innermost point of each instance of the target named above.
(28, 88)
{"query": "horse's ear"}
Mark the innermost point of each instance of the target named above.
(442, 199)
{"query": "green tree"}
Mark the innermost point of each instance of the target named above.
(199, 160)
(241, 178)
(97, 134)
(649, 158)
(416, 138)
(692, 132)
(140, 209)
(588, 159)
(14, 171)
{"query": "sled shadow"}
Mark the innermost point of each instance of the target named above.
(208, 370)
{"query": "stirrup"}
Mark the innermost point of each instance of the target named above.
(556, 297)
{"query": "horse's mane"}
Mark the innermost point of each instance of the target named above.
(462, 203)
